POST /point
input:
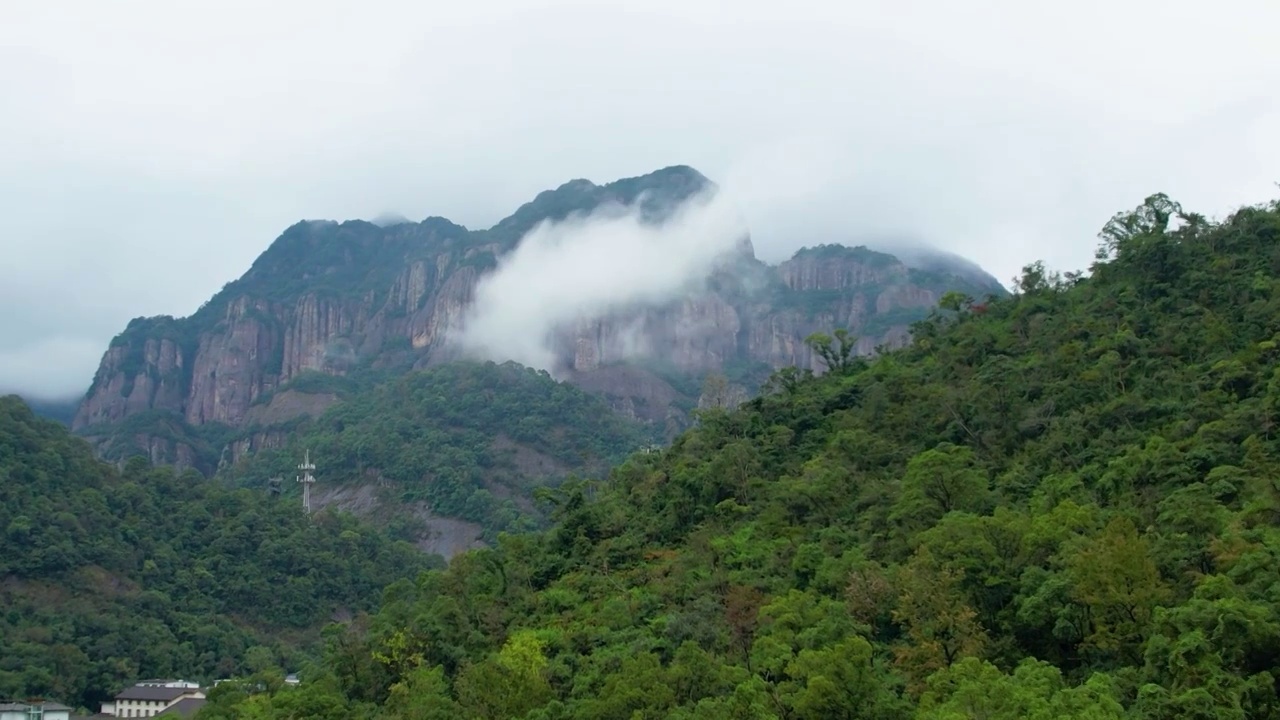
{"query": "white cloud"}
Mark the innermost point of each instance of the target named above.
(40, 369)
(591, 265)
(149, 150)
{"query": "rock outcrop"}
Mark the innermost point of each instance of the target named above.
(335, 299)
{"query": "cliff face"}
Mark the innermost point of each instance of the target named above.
(347, 298)
(872, 294)
(233, 353)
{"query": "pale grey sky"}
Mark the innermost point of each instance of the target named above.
(150, 149)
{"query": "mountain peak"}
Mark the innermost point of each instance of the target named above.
(654, 194)
(575, 185)
(360, 297)
(675, 182)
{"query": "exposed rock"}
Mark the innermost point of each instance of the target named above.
(815, 271)
(132, 378)
(444, 536)
(529, 462)
(288, 404)
(905, 296)
(444, 310)
(633, 391)
(718, 392)
(329, 297)
(448, 536)
(167, 452)
(242, 447)
(231, 365)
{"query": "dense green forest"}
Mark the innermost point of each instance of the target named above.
(1061, 504)
(470, 439)
(110, 576)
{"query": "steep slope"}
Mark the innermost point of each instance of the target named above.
(1057, 505)
(363, 300)
(468, 441)
(107, 577)
(329, 297)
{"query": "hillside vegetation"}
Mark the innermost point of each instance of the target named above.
(333, 309)
(108, 577)
(1058, 505)
(454, 436)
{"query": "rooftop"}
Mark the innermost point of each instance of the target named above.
(149, 692)
(160, 682)
(13, 705)
(186, 708)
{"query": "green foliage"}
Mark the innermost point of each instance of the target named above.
(340, 260)
(1061, 505)
(110, 576)
(138, 433)
(861, 254)
(656, 195)
(318, 383)
(836, 351)
(355, 266)
(143, 335)
(470, 439)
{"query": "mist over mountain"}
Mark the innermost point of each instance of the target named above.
(389, 219)
(61, 409)
(643, 294)
(678, 359)
(1060, 503)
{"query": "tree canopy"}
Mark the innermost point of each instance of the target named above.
(1061, 505)
(108, 576)
(472, 440)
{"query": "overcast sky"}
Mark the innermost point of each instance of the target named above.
(150, 149)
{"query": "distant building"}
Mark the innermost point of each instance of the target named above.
(39, 710)
(169, 684)
(152, 697)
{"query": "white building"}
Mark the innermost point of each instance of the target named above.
(34, 711)
(151, 697)
(187, 684)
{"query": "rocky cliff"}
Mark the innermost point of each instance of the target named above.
(355, 298)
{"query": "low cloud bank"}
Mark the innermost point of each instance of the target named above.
(591, 265)
(594, 265)
(51, 369)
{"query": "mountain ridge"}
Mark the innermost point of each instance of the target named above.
(1060, 504)
(112, 574)
(354, 298)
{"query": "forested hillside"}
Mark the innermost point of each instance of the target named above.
(470, 440)
(108, 577)
(368, 303)
(1058, 505)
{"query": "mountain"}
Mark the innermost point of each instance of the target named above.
(1061, 504)
(108, 576)
(332, 310)
(458, 448)
(357, 297)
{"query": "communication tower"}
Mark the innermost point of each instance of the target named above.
(307, 480)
